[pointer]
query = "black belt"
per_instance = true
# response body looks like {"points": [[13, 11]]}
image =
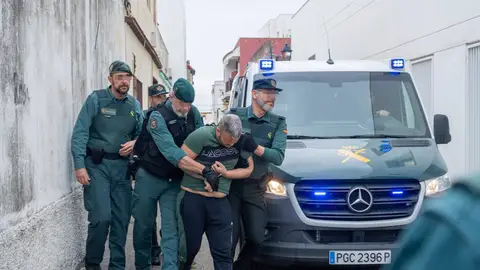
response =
{"points": [[105, 155]]}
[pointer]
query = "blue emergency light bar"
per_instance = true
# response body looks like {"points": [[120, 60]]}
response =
{"points": [[397, 63], [266, 64]]}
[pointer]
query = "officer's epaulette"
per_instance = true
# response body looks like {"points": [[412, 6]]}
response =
{"points": [[276, 118], [101, 93]]}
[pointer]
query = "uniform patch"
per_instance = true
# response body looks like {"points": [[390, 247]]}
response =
{"points": [[132, 114], [153, 123], [108, 111], [285, 131], [269, 135]]}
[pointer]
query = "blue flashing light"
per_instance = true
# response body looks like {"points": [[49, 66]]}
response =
{"points": [[320, 193], [397, 63], [394, 73], [266, 64], [397, 192], [268, 74], [385, 147]]}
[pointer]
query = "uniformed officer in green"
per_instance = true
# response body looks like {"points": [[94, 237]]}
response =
{"points": [[267, 142], [446, 234], [157, 94], [201, 211], [103, 137], [157, 180]]}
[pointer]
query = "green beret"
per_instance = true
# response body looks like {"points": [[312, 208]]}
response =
{"points": [[156, 89], [119, 66], [184, 91]]}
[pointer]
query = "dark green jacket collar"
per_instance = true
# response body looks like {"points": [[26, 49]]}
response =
{"points": [[250, 115]]}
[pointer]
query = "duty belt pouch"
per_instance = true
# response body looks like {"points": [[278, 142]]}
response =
{"points": [[97, 156]]}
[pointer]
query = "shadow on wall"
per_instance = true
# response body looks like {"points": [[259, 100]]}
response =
{"points": [[52, 55]]}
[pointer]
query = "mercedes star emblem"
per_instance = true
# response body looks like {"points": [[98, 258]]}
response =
{"points": [[359, 199]]}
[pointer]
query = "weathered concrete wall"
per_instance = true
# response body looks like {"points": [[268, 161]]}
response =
{"points": [[52, 54]]}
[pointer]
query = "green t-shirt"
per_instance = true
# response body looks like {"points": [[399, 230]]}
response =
{"points": [[203, 142]]}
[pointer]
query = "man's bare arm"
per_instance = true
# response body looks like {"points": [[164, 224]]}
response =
{"points": [[189, 165]]}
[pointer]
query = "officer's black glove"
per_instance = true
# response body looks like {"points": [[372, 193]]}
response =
{"points": [[248, 143], [212, 177]]}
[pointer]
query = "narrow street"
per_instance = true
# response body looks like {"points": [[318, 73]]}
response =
{"points": [[203, 259]]}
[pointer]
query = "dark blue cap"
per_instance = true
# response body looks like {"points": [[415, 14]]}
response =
{"points": [[267, 84]]}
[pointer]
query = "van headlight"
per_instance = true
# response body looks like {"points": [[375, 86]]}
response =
{"points": [[437, 185], [276, 187]]}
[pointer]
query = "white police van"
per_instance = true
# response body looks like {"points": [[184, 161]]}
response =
{"points": [[361, 159]]}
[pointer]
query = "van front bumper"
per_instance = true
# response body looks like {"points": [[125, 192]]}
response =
{"points": [[289, 241]]}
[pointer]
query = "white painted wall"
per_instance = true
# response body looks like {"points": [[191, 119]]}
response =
{"points": [[51, 59], [172, 24], [369, 29], [277, 27], [143, 66]]}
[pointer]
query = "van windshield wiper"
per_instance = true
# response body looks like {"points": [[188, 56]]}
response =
{"points": [[300, 137], [373, 136], [365, 136]]}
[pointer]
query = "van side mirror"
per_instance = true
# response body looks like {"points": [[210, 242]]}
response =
{"points": [[441, 129]]}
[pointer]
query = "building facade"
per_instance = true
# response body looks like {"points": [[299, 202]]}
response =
{"points": [[279, 27], [245, 51], [172, 23], [218, 97], [236, 60], [440, 40], [143, 42]]}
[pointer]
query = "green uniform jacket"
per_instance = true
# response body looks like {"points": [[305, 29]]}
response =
{"points": [[163, 138], [105, 123], [269, 131], [446, 234]]}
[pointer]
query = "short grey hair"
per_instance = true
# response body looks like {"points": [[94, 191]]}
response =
{"points": [[232, 124]]}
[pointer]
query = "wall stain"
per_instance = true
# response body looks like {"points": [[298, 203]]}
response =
{"points": [[20, 94], [17, 190]]}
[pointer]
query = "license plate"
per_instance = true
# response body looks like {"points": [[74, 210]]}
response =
{"points": [[360, 257]]}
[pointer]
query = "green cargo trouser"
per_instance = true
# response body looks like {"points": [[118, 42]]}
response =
{"points": [[108, 201], [148, 191]]}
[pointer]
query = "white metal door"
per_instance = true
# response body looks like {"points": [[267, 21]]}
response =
{"points": [[473, 110], [422, 73]]}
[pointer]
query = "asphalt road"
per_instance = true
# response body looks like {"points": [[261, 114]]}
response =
{"points": [[203, 259]]}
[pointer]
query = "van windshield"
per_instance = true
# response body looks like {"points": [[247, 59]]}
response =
{"points": [[349, 105]]}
